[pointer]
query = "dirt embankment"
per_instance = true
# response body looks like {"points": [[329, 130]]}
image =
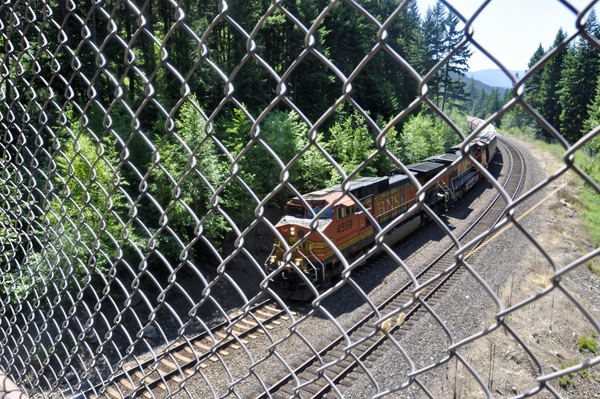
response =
{"points": [[552, 327]]}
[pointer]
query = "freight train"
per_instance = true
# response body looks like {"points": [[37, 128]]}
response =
{"points": [[346, 225]]}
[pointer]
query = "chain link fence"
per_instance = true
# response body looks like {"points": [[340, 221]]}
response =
{"points": [[147, 155]]}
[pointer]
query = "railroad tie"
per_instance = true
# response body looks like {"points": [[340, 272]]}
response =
{"points": [[202, 346], [125, 382], [249, 322], [113, 392], [162, 386], [202, 365], [182, 358], [223, 334], [272, 309], [149, 379], [168, 363], [264, 313]]}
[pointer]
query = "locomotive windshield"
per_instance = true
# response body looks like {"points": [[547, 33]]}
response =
{"points": [[295, 211], [327, 215]]}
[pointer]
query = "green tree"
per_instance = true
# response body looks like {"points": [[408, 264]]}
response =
{"points": [[550, 106], [87, 214], [533, 84], [424, 136], [188, 172], [491, 103], [593, 120], [456, 67], [479, 104], [433, 29], [350, 144], [581, 65]]}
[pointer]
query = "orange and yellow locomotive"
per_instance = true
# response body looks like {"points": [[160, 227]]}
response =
{"points": [[314, 262]]}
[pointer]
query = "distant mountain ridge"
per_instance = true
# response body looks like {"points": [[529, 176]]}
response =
{"points": [[480, 85], [493, 77]]}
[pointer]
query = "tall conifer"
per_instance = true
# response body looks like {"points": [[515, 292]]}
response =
{"points": [[549, 85], [533, 84], [580, 67]]}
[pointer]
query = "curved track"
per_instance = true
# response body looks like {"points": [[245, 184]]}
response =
{"points": [[160, 376], [315, 382]]}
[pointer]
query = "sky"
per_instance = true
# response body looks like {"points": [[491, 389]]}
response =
{"points": [[511, 30]]}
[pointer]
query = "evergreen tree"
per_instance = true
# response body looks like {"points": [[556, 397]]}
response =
{"points": [[491, 103], [457, 66], [479, 104], [581, 65], [549, 86], [434, 35], [533, 84], [186, 146], [471, 94], [593, 120]]}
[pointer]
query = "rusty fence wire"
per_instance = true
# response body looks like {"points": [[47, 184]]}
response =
{"points": [[119, 184]]}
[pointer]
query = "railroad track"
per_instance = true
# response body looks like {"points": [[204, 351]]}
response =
{"points": [[316, 381], [162, 375]]}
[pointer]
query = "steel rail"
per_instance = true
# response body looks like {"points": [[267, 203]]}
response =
{"points": [[181, 346], [278, 385], [430, 292]]}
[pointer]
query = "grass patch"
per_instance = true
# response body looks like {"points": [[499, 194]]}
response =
{"points": [[565, 380], [587, 343], [593, 268]]}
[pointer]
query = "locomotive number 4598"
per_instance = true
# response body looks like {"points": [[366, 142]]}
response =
{"points": [[344, 226]]}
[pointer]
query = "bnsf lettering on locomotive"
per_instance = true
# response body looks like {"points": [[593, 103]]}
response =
{"points": [[390, 203], [380, 207]]}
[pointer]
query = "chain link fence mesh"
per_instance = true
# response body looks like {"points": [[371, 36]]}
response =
{"points": [[120, 180]]}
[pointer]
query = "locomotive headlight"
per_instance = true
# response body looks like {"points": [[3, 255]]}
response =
{"points": [[273, 259], [299, 262], [292, 230]]}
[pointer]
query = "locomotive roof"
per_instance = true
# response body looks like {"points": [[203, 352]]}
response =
{"points": [[426, 169], [454, 150], [399, 179], [354, 184], [445, 159]]}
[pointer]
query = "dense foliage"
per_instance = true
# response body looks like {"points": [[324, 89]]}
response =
{"points": [[561, 91], [144, 144]]}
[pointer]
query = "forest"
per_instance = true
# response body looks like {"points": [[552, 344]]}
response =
{"points": [[565, 91], [147, 136]]}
